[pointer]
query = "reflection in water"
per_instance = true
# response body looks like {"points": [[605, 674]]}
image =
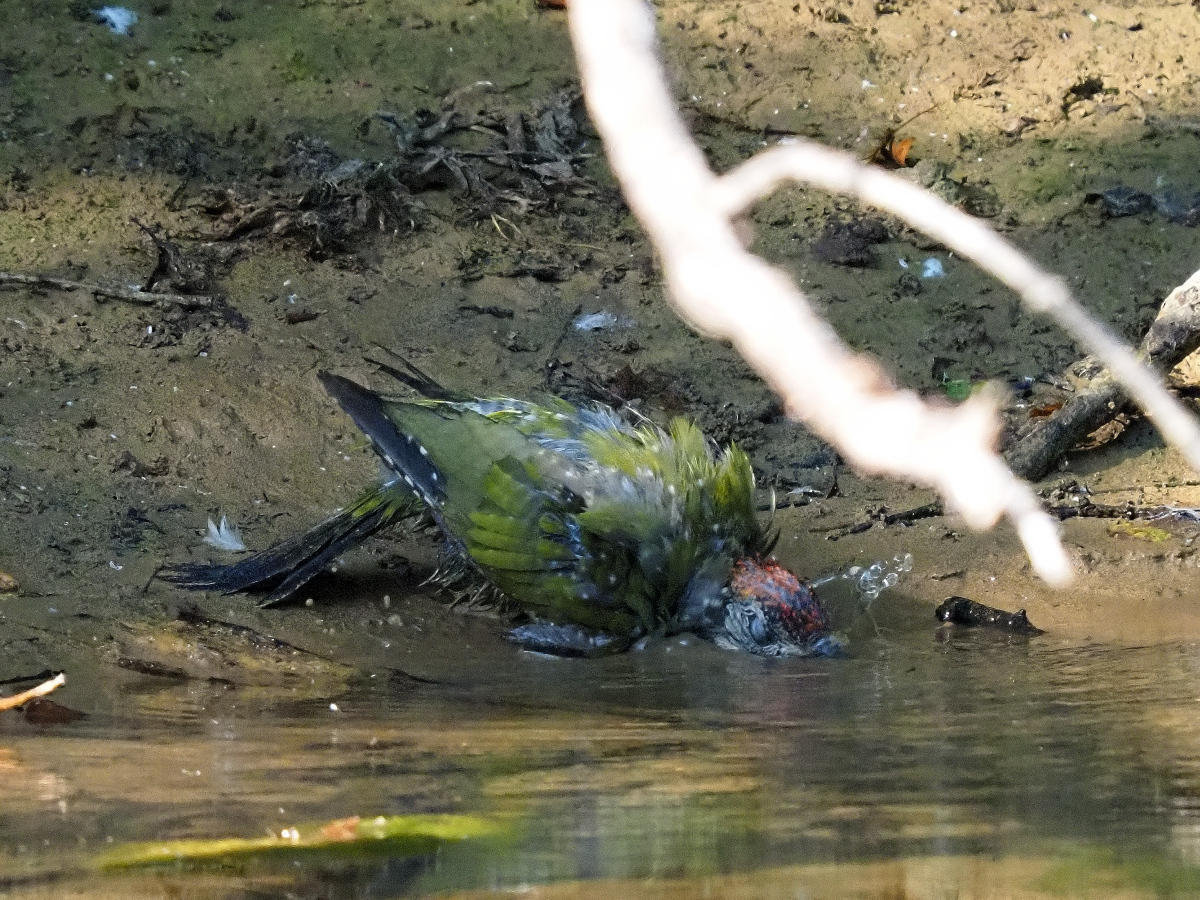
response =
{"points": [[679, 762]]}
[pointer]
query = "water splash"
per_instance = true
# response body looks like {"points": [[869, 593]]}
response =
{"points": [[870, 581]]}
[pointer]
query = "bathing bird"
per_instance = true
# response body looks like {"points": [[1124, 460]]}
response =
{"points": [[599, 528]]}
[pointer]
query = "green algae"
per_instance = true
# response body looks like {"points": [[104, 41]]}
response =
{"points": [[354, 837]]}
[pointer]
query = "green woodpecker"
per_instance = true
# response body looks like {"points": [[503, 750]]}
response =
{"points": [[602, 531]]}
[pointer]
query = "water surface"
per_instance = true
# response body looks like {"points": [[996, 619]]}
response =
{"points": [[959, 761]]}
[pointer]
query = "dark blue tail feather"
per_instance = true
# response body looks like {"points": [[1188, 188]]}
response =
{"points": [[400, 452], [286, 567]]}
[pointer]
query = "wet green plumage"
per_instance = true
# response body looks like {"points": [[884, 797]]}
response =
{"points": [[577, 516], [606, 536]]}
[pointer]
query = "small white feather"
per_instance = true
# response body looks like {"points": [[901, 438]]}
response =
{"points": [[119, 19], [224, 536]]}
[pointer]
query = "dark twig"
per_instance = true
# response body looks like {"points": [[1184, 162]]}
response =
{"points": [[908, 516], [1088, 510], [102, 293], [37, 676], [905, 517], [499, 312]]}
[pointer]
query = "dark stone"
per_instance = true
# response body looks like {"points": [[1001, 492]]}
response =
{"points": [[909, 285], [849, 243], [968, 613], [1121, 201]]}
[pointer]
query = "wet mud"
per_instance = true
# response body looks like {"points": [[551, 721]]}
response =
{"points": [[210, 209]]}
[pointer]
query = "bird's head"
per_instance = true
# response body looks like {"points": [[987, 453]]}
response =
{"points": [[771, 613]]}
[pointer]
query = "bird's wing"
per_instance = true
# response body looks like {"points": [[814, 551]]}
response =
{"points": [[495, 482], [524, 536]]}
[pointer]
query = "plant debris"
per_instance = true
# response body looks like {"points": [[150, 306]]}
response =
{"points": [[496, 163], [1120, 201], [892, 151], [106, 292], [1140, 531], [1173, 335], [355, 836]]}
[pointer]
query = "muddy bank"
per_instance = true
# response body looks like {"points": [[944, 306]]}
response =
{"points": [[318, 230]]}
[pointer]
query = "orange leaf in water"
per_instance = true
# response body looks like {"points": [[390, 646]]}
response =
{"points": [[341, 829]]}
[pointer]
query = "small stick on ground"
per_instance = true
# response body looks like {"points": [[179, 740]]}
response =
{"points": [[908, 516], [33, 693], [904, 517], [1174, 334], [102, 293], [1089, 510]]}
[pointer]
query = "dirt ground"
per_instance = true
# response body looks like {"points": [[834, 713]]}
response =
{"points": [[247, 139]]}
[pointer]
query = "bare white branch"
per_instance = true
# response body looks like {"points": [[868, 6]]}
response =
{"points": [[725, 291], [970, 238], [33, 693]]}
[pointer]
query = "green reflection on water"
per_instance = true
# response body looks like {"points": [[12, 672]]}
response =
{"points": [[682, 765]]}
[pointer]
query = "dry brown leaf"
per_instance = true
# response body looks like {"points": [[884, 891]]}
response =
{"points": [[341, 829], [1104, 434], [898, 151], [1041, 412]]}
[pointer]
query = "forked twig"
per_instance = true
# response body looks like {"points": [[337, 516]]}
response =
{"points": [[723, 290]]}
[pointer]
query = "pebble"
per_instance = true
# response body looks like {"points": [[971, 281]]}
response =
{"points": [[1121, 201], [1182, 209]]}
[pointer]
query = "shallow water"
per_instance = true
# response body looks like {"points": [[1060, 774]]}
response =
{"points": [[955, 761], [928, 763]]}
